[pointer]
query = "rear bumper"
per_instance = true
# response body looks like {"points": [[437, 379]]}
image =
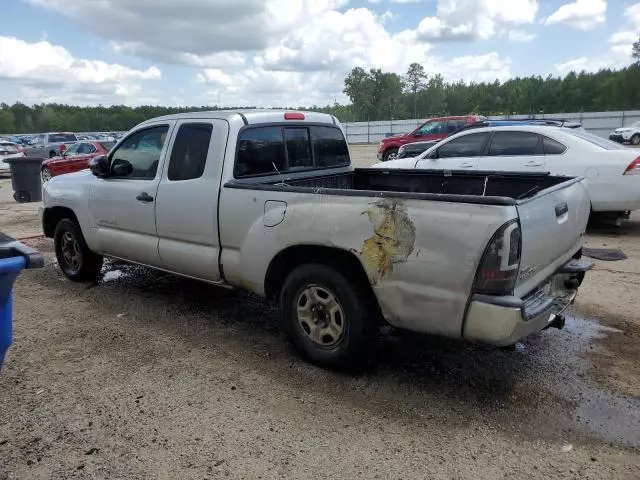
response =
{"points": [[503, 321]]}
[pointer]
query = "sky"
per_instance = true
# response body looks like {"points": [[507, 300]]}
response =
{"points": [[290, 52]]}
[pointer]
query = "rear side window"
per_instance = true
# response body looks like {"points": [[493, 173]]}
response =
{"points": [[471, 145], [515, 143], [189, 154], [454, 125], [272, 150], [62, 137], [551, 147]]}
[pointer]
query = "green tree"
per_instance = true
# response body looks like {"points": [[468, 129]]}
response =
{"points": [[635, 52], [415, 80]]}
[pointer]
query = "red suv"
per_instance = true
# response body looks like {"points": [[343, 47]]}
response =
{"points": [[432, 129]]}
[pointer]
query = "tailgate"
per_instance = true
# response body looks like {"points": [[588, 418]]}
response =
{"points": [[553, 224]]}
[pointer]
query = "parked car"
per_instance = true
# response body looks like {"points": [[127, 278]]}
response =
{"points": [[432, 129], [268, 201], [74, 159], [8, 150], [50, 144], [612, 171], [629, 134], [414, 149]]}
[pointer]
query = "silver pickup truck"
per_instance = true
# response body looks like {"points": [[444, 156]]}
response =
{"points": [[49, 145], [268, 201]]}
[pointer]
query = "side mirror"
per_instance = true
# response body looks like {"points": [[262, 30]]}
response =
{"points": [[99, 166], [121, 168], [433, 155]]}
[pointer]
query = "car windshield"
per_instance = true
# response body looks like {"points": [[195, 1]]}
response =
{"points": [[596, 140], [6, 147], [62, 137]]}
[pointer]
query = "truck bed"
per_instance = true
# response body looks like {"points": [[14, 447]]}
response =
{"points": [[501, 188]]}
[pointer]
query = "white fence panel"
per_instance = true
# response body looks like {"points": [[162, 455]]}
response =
{"points": [[599, 123]]}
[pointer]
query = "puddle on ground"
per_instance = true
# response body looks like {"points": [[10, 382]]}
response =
{"points": [[612, 416]]}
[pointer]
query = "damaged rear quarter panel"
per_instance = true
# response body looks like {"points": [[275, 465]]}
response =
{"points": [[420, 256]]}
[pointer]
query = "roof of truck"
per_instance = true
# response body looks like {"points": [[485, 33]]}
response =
{"points": [[251, 116]]}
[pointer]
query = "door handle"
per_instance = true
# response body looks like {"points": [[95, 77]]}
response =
{"points": [[144, 197], [533, 163], [466, 165]]}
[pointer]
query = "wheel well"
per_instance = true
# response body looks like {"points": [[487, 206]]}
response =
{"points": [[290, 258], [52, 217]]}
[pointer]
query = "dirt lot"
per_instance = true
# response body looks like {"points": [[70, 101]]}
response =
{"points": [[146, 375]]}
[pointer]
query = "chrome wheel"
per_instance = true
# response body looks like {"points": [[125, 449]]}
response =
{"points": [[635, 140], [71, 250], [392, 156], [45, 174], [320, 315]]}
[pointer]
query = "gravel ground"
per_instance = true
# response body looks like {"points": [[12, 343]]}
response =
{"points": [[147, 375]]}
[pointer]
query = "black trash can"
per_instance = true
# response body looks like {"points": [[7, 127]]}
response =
{"points": [[25, 179]]}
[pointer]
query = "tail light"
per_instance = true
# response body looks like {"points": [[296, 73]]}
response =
{"points": [[498, 271], [63, 147], [633, 168]]}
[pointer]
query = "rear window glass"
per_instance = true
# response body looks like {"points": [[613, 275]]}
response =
{"points": [[260, 151], [189, 154], [298, 148], [273, 150], [62, 137], [595, 140], [108, 145], [329, 147], [514, 143]]}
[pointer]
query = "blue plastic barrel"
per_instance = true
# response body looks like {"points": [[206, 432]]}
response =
{"points": [[10, 268], [14, 257]]}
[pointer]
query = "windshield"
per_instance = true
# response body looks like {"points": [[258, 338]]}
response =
{"points": [[596, 140], [62, 137]]}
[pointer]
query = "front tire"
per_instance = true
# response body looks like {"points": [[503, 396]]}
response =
{"points": [[324, 315], [635, 139], [390, 154], [75, 258]]}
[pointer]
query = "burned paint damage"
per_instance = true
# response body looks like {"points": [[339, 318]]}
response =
{"points": [[393, 239]]}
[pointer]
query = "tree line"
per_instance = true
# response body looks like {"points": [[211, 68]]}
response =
{"points": [[379, 95]]}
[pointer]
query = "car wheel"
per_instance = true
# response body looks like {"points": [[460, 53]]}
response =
{"points": [[635, 139], [324, 315], [75, 258], [45, 174], [390, 154]]}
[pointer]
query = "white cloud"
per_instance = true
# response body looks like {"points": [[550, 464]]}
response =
{"points": [[581, 14], [43, 66], [474, 19], [619, 54], [190, 32], [520, 36]]}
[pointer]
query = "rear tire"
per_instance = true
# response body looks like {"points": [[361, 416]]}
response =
{"points": [[75, 258], [635, 139], [390, 154], [324, 315]]}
